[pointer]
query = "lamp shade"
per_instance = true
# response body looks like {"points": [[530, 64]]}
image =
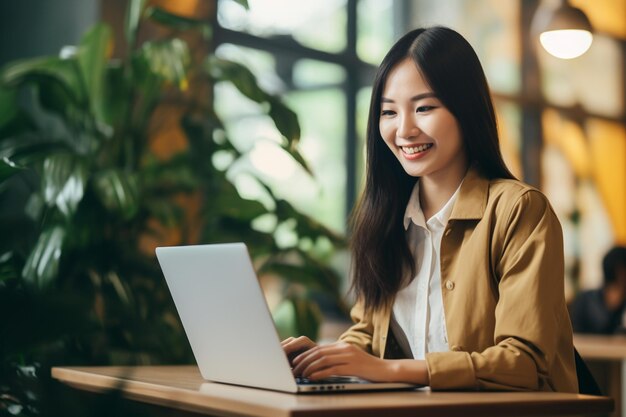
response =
{"points": [[564, 31]]}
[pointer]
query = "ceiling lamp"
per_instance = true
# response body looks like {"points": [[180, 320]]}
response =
{"points": [[564, 31]]}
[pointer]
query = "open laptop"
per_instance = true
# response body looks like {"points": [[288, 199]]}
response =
{"points": [[228, 323]]}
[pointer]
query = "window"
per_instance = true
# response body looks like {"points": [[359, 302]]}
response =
{"points": [[320, 56]]}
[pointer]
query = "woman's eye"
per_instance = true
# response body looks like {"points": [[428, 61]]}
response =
{"points": [[387, 113], [423, 109]]}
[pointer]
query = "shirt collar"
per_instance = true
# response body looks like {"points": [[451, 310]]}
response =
{"points": [[413, 210], [415, 214]]}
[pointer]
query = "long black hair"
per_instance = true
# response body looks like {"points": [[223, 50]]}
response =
{"points": [[447, 62]]}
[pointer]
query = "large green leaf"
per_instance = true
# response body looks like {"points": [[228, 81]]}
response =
{"points": [[118, 191], [8, 105], [306, 226], [8, 268], [63, 181], [240, 76], [116, 103], [92, 59], [55, 98], [63, 71], [30, 149], [20, 123], [42, 264], [7, 168], [233, 205], [133, 16], [177, 22], [284, 118], [286, 121], [297, 156]]}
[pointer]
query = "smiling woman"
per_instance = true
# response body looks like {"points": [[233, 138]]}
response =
{"points": [[418, 129], [457, 267]]}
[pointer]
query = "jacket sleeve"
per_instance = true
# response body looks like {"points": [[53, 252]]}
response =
{"points": [[361, 332], [528, 264]]}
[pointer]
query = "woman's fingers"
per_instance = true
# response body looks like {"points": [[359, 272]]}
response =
{"points": [[294, 346], [329, 364], [340, 359], [287, 341], [321, 356]]}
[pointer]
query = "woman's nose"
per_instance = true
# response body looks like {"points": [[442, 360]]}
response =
{"points": [[407, 127]]}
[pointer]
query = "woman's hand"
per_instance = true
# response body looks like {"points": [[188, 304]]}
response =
{"points": [[341, 359], [293, 346]]}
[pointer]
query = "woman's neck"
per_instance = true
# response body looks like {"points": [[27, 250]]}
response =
{"points": [[436, 191]]}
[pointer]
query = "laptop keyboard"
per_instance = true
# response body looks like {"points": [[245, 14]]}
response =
{"points": [[331, 380]]}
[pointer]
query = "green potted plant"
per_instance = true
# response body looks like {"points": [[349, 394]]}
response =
{"points": [[85, 191]]}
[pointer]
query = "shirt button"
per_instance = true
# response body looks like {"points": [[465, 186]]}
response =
{"points": [[449, 285]]}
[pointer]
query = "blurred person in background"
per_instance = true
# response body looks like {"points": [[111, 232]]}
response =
{"points": [[600, 310]]}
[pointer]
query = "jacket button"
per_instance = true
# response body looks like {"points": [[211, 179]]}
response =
{"points": [[456, 348], [449, 285]]}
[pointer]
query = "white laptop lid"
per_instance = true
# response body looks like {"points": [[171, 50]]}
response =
{"points": [[233, 341], [228, 324]]}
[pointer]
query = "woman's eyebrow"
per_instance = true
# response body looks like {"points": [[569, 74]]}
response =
{"points": [[414, 98]]}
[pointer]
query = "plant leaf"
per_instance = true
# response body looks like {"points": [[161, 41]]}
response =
{"points": [[118, 191], [42, 264], [241, 77], [177, 22], [306, 226], [7, 168], [285, 119], [233, 205], [8, 105], [8, 268], [286, 122], [116, 101], [133, 16], [63, 182], [92, 60], [244, 3], [297, 156], [62, 71]]}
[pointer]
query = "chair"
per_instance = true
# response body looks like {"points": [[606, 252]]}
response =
{"points": [[586, 382]]}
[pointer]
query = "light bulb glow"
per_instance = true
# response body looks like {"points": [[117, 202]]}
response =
{"points": [[566, 44]]}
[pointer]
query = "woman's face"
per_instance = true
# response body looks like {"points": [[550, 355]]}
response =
{"points": [[419, 130]]}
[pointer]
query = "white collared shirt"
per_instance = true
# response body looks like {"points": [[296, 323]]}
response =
{"points": [[418, 307]]}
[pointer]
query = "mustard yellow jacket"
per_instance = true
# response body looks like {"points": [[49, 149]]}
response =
{"points": [[503, 296]]}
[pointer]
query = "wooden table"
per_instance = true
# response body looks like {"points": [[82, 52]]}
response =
{"points": [[182, 388], [611, 350]]}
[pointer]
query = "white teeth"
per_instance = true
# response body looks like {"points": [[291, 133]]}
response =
{"points": [[414, 149]]}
